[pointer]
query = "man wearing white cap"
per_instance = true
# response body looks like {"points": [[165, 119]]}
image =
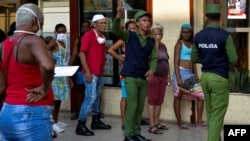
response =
{"points": [[92, 55]]}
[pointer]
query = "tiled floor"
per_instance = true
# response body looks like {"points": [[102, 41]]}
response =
{"points": [[116, 134]]}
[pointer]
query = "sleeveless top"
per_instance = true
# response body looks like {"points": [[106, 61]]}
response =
{"points": [[60, 56], [136, 62], [60, 85], [20, 77], [185, 52], [212, 50]]}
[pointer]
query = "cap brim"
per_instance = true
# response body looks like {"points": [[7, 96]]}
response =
{"points": [[146, 14]]}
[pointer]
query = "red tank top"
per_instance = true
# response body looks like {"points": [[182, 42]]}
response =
{"points": [[20, 77]]}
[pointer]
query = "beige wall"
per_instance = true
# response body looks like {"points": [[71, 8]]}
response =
{"points": [[171, 14]]}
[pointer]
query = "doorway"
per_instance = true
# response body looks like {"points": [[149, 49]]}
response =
{"points": [[7, 13]]}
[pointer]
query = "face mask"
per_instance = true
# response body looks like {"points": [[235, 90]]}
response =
{"points": [[39, 32], [101, 40], [61, 37]]}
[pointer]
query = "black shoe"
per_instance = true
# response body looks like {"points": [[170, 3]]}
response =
{"points": [[141, 138], [98, 124], [123, 127], [144, 122], [130, 139], [81, 129]]}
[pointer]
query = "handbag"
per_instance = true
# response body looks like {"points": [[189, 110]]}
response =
{"points": [[188, 84]]}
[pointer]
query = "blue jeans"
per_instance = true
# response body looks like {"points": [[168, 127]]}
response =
{"points": [[25, 123], [92, 97], [79, 78]]}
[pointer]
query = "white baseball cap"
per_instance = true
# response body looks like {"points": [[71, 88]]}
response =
{"points": [[97, 17]]}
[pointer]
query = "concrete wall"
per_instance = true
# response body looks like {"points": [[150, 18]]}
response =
{"points": [[238, 110], [111, 104], [55, 13]]}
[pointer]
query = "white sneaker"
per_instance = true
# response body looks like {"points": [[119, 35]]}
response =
{"points": [[62, 124], [57, 128]]}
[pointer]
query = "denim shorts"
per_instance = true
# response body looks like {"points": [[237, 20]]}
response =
{"points": [[185, 74], [25, 123], [123, 89]]}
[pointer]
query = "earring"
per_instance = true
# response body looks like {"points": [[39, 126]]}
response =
{"points": [[34, 27]]}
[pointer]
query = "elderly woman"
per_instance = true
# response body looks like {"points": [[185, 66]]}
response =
{"points": [[28, 70], [157, 84]]}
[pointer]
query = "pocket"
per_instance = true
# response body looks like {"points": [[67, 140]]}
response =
{"points": [[22, 120]]}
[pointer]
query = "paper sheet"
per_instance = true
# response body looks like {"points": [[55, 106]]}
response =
{"points": [[65, 71]]}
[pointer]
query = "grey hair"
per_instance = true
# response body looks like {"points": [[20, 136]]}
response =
{"points": [[157, 26], [26, 13]]}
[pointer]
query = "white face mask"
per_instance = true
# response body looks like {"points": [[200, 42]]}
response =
{"points": [[61, 37], [101, 40], [39, 32]]}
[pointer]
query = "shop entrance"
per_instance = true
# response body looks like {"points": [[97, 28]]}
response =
{"points": [[7, 13]]}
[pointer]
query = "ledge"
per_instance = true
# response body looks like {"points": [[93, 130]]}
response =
{"points": [[238, 109], [240, 94]]}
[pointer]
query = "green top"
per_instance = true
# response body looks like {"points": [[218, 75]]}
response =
{"points": [[230, 49], [124, 35]]}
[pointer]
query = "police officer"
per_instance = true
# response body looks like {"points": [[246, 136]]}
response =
{"points": [[214, 49]]}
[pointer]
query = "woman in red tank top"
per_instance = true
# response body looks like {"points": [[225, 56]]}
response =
{"points": [[28, 71]]}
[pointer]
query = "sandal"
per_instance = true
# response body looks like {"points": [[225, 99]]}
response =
{"points": [[162, 127], [155, 130], [202, 124], [183, 127], [74, 117]]}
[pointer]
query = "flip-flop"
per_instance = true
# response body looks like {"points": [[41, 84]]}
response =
{"points": [[154, 130], [202, 124], [183, 127], [162, 127], [75, 116]]}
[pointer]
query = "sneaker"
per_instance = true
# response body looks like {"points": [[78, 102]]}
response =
{"points": [[62, 124], [57, 128]]}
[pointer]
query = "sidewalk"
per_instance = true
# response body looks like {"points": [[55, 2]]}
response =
{"points": [[116, 134]]}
